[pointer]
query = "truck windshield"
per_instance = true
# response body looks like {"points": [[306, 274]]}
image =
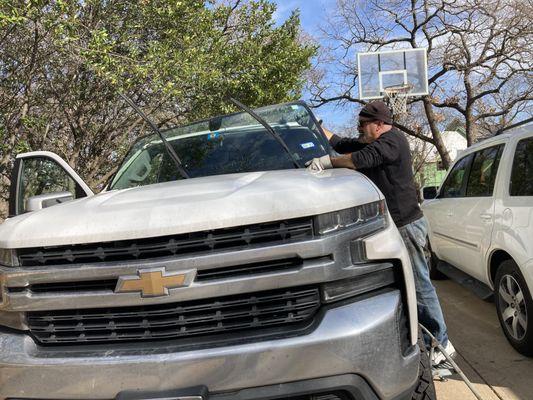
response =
{"points": [[224, 145]]}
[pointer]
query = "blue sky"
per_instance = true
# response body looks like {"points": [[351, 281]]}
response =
{"points": [[311, 11], [312, 15]]}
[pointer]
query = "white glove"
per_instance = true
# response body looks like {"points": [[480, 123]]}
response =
{"points": [[319, 164]]}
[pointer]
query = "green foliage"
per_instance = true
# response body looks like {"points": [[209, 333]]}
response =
{"points": [[189, 52]]}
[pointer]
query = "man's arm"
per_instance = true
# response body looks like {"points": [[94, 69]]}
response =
{"points": [[386, 149], [369, 157], [343, 145], [344, 161]]}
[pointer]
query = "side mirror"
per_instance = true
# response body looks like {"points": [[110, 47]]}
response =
{"points": [[429, 192], [41, 201], [41, 173]]}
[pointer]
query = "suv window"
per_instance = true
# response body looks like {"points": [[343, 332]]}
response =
{"points": [[454, 184], [521, 182], [483, 172]]}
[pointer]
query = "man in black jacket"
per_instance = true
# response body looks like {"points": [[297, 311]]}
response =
{"points": [[382, 153]]}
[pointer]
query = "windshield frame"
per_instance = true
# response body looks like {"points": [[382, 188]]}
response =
{"points": [[322, 138]]}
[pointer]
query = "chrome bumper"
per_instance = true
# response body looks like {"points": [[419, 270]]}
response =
{"points": [[360, 338]]}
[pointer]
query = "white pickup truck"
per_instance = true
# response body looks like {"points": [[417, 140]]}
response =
{"points": [[223, 273], [481, 223]]}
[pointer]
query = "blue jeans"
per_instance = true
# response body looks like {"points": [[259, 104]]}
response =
{"points": [[429, 311]]}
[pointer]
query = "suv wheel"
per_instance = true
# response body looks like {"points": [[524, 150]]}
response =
{"points": [[425, 389], [515, 307], [432, 261]]}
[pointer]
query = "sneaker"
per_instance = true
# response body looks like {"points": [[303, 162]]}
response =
{"points": [[438, 356]]}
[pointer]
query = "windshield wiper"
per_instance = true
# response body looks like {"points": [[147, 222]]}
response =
{"points": [[168, 146], [268, 128]]}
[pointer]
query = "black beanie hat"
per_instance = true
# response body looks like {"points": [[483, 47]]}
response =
{"points": [[376, 111]]}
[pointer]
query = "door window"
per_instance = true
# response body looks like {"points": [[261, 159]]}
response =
{"points": [[42, 175], [522, 173], [454, 184], [483, 172]]}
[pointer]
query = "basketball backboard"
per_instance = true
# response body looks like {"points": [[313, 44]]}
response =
{"points": [[384, 69]]}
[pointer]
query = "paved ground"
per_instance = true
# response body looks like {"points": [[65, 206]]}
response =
{"points": [[497, 371]]}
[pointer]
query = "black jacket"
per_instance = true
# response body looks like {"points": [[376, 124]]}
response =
{"points": [[387, 162]]}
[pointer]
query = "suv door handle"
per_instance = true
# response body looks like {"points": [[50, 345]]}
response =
{"points": [[486, 217]]}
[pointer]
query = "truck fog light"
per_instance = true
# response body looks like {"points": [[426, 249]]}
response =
{"points": [[8, 258], [342, 289]]}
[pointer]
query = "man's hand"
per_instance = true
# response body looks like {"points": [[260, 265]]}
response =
{"points": [[319, 164]]}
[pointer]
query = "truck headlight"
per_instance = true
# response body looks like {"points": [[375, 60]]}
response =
{"points": [[8, 258], [371, 214]]}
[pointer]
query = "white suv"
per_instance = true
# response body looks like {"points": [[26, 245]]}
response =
{"points": [[481, 222]]}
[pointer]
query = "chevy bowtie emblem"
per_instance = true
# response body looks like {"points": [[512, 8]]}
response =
{"points": [[154, 282]]}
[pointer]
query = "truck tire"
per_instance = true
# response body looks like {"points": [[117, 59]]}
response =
{"points": [[425, 389], [514, 307], [432, 261]]}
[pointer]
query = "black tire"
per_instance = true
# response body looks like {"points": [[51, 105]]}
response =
{"points": [[432, 261], [521, 335], [425, 389]]}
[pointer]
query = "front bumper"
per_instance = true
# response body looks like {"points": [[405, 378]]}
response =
{"points": [[339, 387], [359, 338]]}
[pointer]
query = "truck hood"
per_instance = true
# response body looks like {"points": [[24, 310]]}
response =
{"points": [[189, 205]]}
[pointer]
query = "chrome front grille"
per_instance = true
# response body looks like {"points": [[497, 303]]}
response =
{"points": [[203, 275], [254, 311], [195, 242], [69, 287], [255, 269]]}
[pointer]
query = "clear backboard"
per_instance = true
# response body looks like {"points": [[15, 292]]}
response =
{"points": [[384, 70]]}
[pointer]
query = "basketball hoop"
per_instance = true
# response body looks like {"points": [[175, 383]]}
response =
{"points": [[396, 97], [393, 76]]}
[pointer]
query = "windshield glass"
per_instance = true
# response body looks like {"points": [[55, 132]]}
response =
{"points": [[224, 145]]}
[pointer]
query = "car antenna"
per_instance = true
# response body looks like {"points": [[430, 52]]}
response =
{"points": [[268, 128], [168, 147]]}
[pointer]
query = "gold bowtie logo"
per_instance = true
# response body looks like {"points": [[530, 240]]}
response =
{"points": [[154, 282]]}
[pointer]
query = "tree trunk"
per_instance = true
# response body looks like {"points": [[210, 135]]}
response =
{"points": [[437, 137], [469, 118]]}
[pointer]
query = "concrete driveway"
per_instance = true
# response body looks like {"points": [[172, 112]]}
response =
{"points": [[497, 371]]}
